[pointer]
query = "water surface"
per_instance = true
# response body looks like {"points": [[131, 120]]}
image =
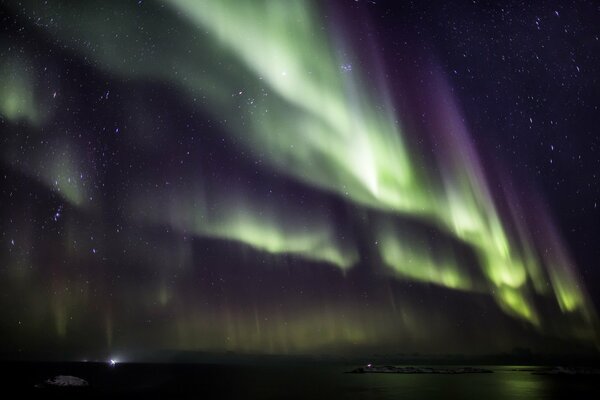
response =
{"points": [[293, 382]]}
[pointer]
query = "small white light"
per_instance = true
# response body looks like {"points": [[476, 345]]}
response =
{"points": [[113, 362], [369, 365]]}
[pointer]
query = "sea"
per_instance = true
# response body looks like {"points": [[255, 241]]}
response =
{"points": [[318, 381]]}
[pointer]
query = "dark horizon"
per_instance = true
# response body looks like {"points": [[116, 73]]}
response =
{"points": [[515, 357]]}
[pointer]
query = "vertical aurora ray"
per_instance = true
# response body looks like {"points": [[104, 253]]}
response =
{"points": [[17, 99], [469, 211], [568, 289]]}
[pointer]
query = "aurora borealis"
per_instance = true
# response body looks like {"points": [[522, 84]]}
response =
{"points": [[281, 177]]}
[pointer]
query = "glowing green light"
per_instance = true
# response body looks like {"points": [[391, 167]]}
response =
{"points": [[264, 225], [270, 72], [413, 261], [17, 101]]}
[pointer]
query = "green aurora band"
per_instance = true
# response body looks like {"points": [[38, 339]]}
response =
{"points": [[237, 215], [272, 69]]}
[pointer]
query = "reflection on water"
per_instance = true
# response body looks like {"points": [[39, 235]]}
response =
{"points": [[519, 385], [504, 383]]}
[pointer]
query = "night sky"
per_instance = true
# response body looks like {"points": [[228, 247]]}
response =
{"points": [[299, 178]]}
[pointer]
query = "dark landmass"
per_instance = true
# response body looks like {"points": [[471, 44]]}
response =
{"points": [[373, 369]]}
